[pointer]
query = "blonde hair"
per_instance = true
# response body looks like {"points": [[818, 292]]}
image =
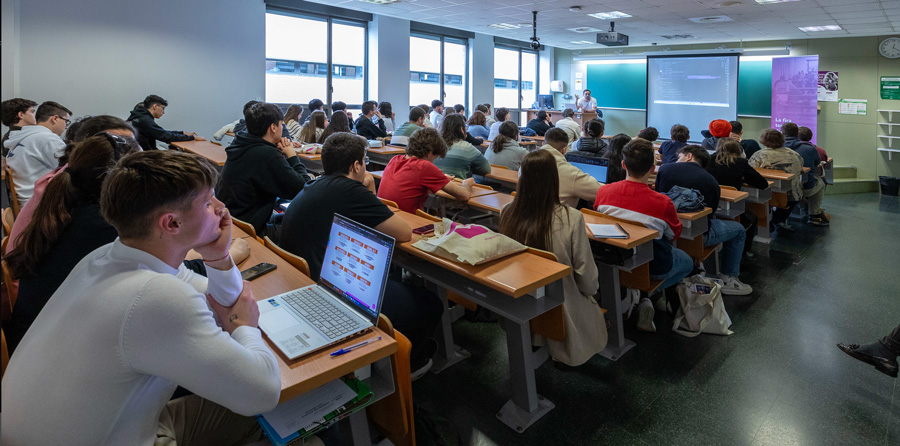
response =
{"points": [[728, 150]]}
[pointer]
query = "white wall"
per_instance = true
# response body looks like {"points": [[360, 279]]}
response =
{"points": [[389, 63], [103, 56]]}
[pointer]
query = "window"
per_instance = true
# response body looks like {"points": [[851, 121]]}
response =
{"points": [[515, 78], [437, 69], [299, 68]]}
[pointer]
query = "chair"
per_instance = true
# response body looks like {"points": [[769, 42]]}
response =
{"points": [[246, 227], [389, 203], [552, 324], [5, 352], [638, 278], [295, 260], [728, 187], [499, 166], [8, 220], [13, 197], [12, 292], [394, 413], [426, 215]]}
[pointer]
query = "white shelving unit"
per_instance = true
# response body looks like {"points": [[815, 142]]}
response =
{"points": [[890, 131]]}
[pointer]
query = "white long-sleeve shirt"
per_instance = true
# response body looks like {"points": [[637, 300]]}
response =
{"points": [[105, 354]]}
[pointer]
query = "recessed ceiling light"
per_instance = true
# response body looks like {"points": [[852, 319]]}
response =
{"points": [[574, 8], [712, 19], [679, 36], [504, 26], [767, 2], [383, 2], [810, 29], [610, 15], [585, 29], [729, 3], [581, 42]]}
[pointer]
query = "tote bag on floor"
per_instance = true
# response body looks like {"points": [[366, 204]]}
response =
{"points": [[702, 310]]}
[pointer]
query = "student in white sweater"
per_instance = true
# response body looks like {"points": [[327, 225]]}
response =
{"points": [[34, 150], [574, 184], [130, 324]]}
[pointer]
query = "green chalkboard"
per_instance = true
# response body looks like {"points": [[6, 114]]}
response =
{"points": [[618, 85], [625, 86]]}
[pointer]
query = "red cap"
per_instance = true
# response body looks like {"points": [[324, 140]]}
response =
{"points": [[720, 128]]}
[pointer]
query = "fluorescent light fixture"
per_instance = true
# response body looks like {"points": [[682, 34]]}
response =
{"points": [[581, 42], [767, 2], [504, 26], [810, 29], [382, 2], [585, 29], [610, 15], [712, 19], [678, 36]]}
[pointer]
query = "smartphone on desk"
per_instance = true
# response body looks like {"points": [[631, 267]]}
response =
{"points": [[424, 229], [257, 270]]}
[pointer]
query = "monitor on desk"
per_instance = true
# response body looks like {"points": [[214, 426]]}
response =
{"points": [[595, 167], [545, 101]]}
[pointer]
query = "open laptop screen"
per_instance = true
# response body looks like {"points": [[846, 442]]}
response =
{"points": [[595, 167], [356, 265]]}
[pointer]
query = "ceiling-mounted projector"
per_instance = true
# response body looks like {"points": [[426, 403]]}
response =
{"points": [[612, 38]]}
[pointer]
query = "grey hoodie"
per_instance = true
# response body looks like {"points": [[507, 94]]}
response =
{"points": [[33, 153]]}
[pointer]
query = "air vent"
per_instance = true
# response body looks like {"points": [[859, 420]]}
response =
{"points": [[585, 29], [504, 26], [679, 36], [712, 19]]}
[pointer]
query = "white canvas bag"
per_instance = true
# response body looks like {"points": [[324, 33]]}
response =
{"points": [[702, 310]]}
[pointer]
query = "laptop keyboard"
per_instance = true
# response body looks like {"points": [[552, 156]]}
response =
{"points": [[321, 312]]}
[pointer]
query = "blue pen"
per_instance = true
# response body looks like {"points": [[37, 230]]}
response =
{"points": [[354, 347]]}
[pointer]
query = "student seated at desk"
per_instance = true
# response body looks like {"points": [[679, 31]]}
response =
{"points": [[690, 172], [775, 155], [387, 114], [536, 218], [541, 123], [260, 166], [813, 184], [501, 114], [34, 150], [291, 116], [505, 149], [408, 180], [338, 123], [436, 114], [678, 135], [341, 106], [103, 358], [649, 133], [16, 113], [750, 146], [347, 189], [143, 117], [312, 131], [615, 171], [592, 144], [488, 116], [241, 124], [404, 131], [477, 125], [365, 127], [573, 183], [729, 169], [462, 159], [718, 128], [633, 200], [427, 109], [567, 123]]}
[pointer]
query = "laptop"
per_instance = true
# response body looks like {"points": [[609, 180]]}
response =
{"points": [[595, 167], [346, 300], [571, 105]]}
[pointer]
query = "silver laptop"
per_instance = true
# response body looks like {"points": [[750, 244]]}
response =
{"points": [[345, 301], [571, 105]]}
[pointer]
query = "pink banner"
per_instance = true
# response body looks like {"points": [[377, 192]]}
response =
{"points": [[795, 91]]}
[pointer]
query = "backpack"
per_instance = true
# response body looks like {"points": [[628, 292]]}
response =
{"points": [[685, 199]]}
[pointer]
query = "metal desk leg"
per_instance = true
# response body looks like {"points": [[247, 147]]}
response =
{"points": [[448, 353], [611, 299], [526, 406], [359, 428]]}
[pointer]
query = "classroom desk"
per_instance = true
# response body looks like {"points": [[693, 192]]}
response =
{"points": [[781, 180], [640, 241], [758, 204], [828, 167], [211, 151], [309, 372], [556, 115], [694, 223], [313, 162], [230, 133], [731, 203], [383, 155], [508, 178], [517, 288], [492, 203], [534, 138]]}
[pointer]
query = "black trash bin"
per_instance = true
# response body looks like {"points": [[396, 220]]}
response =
{"points": [[889, 185]]}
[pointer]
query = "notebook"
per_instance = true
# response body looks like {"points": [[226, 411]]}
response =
{"points": [[346, 300], [595, 167], [607, 231]]}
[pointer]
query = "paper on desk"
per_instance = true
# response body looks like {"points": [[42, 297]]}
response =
{"points": [[299, 413], [605, 231]]}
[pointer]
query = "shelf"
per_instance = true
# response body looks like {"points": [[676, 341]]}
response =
{"points": [[890, 152], [889, 111], [891, 137], [889, 123]]}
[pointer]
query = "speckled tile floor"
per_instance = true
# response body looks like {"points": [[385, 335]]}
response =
{"points": [[778, 380]]}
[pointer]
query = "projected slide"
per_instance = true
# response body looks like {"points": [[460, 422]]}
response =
{"points": [[691, 90]]}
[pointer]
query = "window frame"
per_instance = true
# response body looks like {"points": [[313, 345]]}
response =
{"points": [[329, 60], [537, 70], [442, 76]]}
